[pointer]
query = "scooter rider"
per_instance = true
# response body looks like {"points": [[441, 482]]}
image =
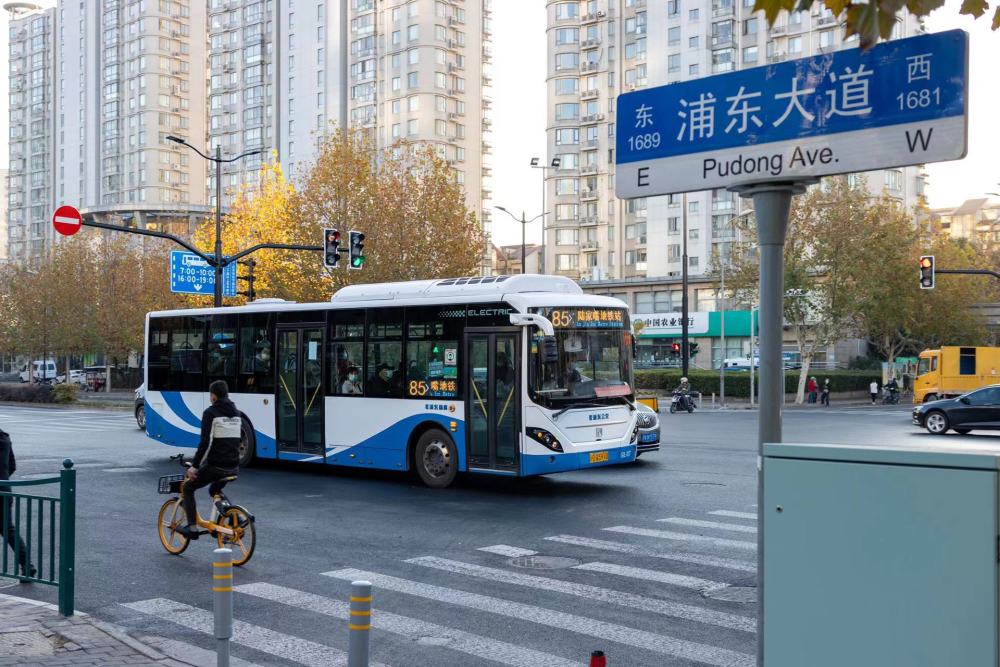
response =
{"points": [[684, 391]]}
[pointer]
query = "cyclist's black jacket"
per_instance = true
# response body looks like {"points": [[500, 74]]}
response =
{"points": [[220, 437]]}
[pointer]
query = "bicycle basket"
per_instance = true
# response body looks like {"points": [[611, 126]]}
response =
{"points": [[171, 483]]}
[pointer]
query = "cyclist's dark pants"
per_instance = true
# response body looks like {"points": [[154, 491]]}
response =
{"points": [[14, 540], [206, 476]]}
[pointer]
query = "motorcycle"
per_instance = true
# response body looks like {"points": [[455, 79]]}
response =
{"points": [[681, 401], [890, 396]]}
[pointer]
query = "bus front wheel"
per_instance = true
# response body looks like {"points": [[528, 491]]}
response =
{"points": [[435, 459], [248, 444]]}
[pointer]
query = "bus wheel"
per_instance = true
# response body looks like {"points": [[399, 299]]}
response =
{"points": [[435, 459], [248, 444]]}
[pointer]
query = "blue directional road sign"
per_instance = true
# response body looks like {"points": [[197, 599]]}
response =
{"points": [[190, 274], [903, 102]]}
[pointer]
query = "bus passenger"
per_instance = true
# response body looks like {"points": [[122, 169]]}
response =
{"points": [[352, 385], [380, 385]]}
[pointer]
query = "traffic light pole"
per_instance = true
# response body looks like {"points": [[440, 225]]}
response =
{"points": [[970, 272], [685, 355]]}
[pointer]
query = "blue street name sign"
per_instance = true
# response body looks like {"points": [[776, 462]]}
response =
{"points": [[190, 274], [903, 102]]}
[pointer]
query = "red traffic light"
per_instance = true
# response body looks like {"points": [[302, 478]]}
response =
{"points": [[335, 236], [925, 262], [676, 347]]}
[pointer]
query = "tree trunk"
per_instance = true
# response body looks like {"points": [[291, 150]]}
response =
{"points": [[803, 378]]}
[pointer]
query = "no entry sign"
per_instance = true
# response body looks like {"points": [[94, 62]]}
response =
{"points": [[67, 220]]}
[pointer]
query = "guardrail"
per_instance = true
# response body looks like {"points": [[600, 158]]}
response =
{"points": [[49, 526]]}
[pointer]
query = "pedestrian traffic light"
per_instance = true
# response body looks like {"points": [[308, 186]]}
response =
{"points": [[250, 293], [331, 248], [675, 350], [692, 349], [927, 272], [357, 246]]}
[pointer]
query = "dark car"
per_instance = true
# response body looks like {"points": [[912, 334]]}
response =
{"points": [[649, 430], [977, 410]]}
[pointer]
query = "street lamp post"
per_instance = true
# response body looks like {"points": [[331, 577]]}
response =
{"points": [[535, 164], [524, 224], [218, 160]]}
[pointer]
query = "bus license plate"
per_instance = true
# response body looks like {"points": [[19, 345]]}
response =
{"points": [[599, 457]]}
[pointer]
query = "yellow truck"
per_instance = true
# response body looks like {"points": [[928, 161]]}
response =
{"points": [[953, 371]]}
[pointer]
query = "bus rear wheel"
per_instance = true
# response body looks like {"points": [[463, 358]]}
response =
{"points": [[435, 459]]}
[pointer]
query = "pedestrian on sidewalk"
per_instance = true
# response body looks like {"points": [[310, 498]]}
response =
{"points": [[811, 388], [825, 396], [873, 390], [7, 467]]}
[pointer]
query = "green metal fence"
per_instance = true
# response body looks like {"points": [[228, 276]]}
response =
{"points": [[46, 529]]}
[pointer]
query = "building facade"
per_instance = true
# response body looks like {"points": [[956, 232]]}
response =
{"points": [[3, 216], [974, 220], [598, 49]]}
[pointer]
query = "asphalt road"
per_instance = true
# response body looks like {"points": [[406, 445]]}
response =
{"points": [[644, 552]]}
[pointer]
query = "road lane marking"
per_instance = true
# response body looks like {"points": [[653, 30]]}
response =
{"points": [[684, 581], [271, 642], [735, 515], [684, 537], [413, 629], [507, 550], [662, 644], [698, 523], [636, 550], [604, 595]]}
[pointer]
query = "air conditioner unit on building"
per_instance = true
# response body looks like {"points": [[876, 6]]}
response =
{"points": [[601, 14]]}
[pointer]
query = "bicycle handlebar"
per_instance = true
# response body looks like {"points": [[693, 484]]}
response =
{"points": [[180, 459]]}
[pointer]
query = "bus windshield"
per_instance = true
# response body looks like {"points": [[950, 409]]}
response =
{"points": [[594, 359]]}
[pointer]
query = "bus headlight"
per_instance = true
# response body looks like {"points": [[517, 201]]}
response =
{"points": [[544, 437], [635, 433]]}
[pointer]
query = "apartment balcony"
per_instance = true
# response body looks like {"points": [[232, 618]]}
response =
{"points": [[588, 169], [722, 41], [589, 221], [589, 67], [487, 148], [593, 17], [589, 195], [592, 119], [725, 10], [776, 58], [590, 43], [590, 143], [776, 30], [826, 20], [589, 246], [590, 94]]}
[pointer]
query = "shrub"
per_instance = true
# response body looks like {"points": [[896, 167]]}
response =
{"points": [[738, 382], [65, 393], [27, 393]]}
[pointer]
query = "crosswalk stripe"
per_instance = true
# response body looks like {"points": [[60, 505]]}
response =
{"points": [[607, 595], [413, 629], [670, 535], [684, 581], [261, 639], [735, 515], [662, 644], [698, 523], [623, 548], [507, 550]]}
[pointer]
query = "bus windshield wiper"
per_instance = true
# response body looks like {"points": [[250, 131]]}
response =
{"points": [[574, 406]]}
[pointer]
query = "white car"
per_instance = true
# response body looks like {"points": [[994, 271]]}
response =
{"points": [[40, 370], [76, 376]]}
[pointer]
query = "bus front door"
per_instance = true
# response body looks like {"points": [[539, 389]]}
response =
{"points": [[494, 408], [299, 403]]}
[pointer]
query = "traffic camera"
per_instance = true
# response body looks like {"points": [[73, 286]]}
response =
{"points": [[927, 272], [331, 248], [356, 248]]}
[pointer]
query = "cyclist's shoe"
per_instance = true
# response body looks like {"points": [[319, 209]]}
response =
{"points": [[28, 571], [190, 532]]}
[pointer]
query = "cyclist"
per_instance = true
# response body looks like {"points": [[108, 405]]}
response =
{"points": [[218, 452]]}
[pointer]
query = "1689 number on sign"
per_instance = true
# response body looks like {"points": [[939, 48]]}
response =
{"points": [[641, 142]]}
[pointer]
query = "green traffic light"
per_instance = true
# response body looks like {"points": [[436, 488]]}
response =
{"points": [[358, 261]]}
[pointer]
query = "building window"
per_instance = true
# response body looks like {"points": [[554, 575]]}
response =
{"points": [[567, 262], [567, 10], [894, 179], [750, 54], [567, 61], [567, 236]]}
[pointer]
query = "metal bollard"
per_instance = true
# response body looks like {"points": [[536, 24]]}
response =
{"points": [[359, 624], [222, 589]]}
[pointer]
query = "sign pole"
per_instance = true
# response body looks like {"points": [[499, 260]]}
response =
{"points": [[771, 204], [685, 361], [218, 226]]}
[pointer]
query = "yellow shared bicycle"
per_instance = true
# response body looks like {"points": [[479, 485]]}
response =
{"points": [[231, 525]]}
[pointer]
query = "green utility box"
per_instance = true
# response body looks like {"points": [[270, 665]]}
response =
{"points": [[881, 556]]}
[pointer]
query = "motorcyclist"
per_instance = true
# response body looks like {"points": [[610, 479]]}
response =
{"points": [[892, 389], [684, 392]]}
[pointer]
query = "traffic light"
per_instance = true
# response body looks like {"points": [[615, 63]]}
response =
{"points": [[249, 293], [692, 349], [927, 272], [675, 350], [357, 246], [331, 248]]}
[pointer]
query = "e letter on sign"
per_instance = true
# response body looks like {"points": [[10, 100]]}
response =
{"points": [[903, 102]]}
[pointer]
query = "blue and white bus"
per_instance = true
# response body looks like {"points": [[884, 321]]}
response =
{"points": [[506, 375]]}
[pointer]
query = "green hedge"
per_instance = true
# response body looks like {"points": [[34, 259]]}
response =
{"points": [[27, 393], [664, 380]]}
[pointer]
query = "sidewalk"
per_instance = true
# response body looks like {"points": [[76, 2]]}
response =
{"points": [[33, 634]]}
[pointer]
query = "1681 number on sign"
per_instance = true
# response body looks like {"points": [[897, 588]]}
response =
{"points": [[919, 99]]}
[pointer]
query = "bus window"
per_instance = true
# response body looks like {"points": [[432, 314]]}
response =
{"points": [[384, 366], [431, 354], [158, 356], [346, 358], [256, 367], [187, 347], [220, 350]]}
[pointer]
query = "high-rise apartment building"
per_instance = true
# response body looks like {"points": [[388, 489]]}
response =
{"points": [[3, 216], [598, 49], [281, 72]]}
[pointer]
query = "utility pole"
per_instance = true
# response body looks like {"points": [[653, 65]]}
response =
{"points": [[524, 224], [218, 225], [685, 357]]}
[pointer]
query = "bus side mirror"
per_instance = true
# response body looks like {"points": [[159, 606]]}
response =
{"points": [[550, 349], [635, 346]]}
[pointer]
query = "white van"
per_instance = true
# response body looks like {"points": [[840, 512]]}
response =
{"points": [[41, 370]]}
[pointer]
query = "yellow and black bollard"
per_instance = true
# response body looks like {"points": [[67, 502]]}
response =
{"points": [[222, 591], [359, 624]]}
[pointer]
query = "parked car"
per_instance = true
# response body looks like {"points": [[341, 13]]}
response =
{"points": [[649, 430], [976, 410], [140, 406], [76, 376], [41, 371]]}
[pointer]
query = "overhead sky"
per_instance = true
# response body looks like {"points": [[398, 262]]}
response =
{"points": [[519, 69]]}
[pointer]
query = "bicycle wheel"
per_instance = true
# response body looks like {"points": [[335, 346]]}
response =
{"points": [[244, 538], [171, 518]]}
